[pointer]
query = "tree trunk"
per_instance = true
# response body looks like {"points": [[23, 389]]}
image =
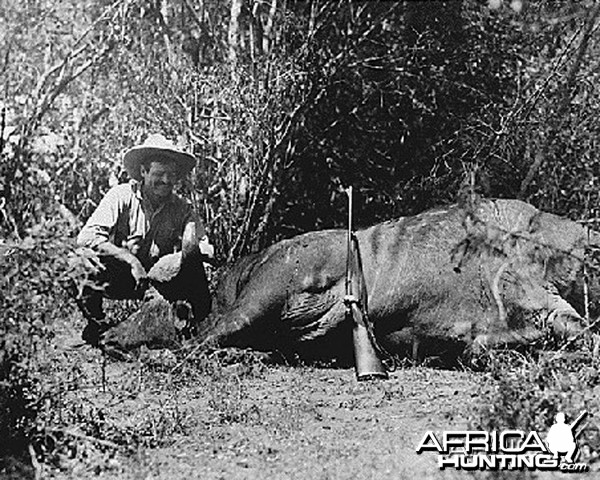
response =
{"points": [[269, 27], [234, 31]]}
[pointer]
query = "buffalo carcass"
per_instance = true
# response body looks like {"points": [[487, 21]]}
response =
{"points": [[498, 272]]}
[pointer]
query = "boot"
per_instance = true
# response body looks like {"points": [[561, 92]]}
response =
{"points": [[90, 305], [93, 332]]}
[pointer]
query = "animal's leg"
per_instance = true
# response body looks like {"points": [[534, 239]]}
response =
{"points": [[491, 340], [328, 335], [564, 324], [415, 349], [249, 325], [322, 322]]}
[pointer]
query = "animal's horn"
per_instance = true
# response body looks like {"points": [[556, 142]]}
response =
{"points": [[193, 283], [189, 243]]}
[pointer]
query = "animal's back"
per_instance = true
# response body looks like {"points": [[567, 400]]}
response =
{"points": [[419, 284]]}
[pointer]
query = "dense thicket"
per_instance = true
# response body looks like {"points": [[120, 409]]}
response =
{"points": [[420, 101], [413, 103]]}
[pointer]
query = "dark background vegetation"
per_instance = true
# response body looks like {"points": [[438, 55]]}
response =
{"points": [[414, 104], [287, 103]]}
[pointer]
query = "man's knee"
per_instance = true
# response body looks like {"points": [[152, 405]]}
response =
{"points": [[106, 275]]}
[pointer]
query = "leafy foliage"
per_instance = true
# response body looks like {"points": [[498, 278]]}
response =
{"points": [[529, 393], [421, 101], [30, 297], [397, 90]]}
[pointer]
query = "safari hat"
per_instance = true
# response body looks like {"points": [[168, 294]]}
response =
{"points": [[156, 145]]}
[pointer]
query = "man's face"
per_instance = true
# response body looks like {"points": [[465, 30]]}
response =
{"points": [[159, 178]]}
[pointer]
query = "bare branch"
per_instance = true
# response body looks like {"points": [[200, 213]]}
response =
{"points": [[566, 94], [43, 80], [196, 18]]}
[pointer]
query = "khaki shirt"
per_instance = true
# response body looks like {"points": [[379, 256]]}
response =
{"points": [[127, 220]]}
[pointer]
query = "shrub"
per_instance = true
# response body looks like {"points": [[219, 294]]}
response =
{"points": [[30, 299], [527, 394]]}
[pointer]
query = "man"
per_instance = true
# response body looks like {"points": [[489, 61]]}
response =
{"points": [[134, 225]]}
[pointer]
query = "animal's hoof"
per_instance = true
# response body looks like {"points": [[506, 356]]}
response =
{"points": [[565, 326]]}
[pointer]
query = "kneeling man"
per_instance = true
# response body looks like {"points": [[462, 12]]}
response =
{"points": [[134, 225]]}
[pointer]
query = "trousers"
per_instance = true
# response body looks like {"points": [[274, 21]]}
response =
{"points": [[94, 276]]}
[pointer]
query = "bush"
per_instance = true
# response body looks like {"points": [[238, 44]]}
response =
{"points": [[528, 393], [31, 298]]}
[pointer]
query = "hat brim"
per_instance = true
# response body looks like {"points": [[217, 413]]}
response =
{"points": [[133, 158]]}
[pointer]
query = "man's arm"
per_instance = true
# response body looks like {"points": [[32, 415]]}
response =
{"points": [[137, 269], [102, 223]]}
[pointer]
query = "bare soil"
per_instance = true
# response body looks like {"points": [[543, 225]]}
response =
{"points": [[230, 415]]}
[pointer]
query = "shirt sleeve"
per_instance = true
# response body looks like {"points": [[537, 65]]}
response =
{"points": [[103, 221]]}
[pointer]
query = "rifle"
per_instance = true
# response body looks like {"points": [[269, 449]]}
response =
{"points": [[367, 364]]}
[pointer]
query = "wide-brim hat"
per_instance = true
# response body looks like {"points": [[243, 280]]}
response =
{"points": [[159, 147]]}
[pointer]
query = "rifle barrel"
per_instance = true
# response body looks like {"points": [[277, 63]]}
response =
{"points": [[349, 244]]}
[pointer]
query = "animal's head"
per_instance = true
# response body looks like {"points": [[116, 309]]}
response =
{"points": [[542, 265], [567, 257]]}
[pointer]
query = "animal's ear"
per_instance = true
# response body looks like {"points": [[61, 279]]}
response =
{"points": [[535, 223]]}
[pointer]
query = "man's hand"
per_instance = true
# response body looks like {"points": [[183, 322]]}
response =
{"points": [[206, 248], [139, 273]]}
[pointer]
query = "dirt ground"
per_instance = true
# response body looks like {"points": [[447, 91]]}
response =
{"points": [[232, 416]]}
